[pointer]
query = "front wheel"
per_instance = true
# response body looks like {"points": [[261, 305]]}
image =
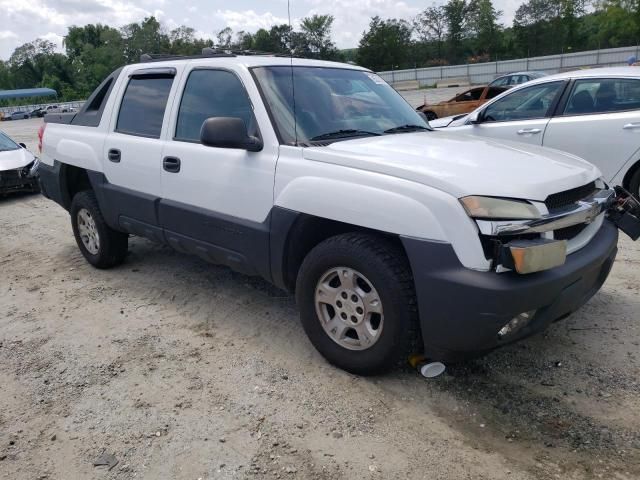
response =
{"points": [[102, 246], [357, 303]]}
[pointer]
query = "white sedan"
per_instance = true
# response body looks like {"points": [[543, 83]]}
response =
{"points": [[594, 114], [18, 167]]}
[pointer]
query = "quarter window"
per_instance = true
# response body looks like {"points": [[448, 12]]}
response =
{"points": [[143, 106], [524, 104], [212, 93], [603, 95]]}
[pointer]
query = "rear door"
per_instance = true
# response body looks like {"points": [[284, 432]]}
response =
{"points": [[133, 147], [599, 122], [521, 115]]}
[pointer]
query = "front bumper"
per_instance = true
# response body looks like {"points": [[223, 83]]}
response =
{"points": [[462, 310], [18, 180]]}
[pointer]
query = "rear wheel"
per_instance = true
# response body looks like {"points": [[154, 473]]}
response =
{"points": [[102, 246], [357, 303]]}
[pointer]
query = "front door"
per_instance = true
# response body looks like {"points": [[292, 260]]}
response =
{"points": [[216, 201], [521, 115]]}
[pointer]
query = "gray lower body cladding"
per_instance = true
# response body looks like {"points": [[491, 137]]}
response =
{"points": [[462, 310]]}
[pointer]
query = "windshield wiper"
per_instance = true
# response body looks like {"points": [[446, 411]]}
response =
{"points": [[350, 132], [406, 128]]}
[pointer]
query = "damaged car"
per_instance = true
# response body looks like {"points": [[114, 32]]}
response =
{"points": [[18, 167]]}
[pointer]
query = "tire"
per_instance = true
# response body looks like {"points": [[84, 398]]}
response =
{"points": [[379, 263], [634, 184], [110, 249]]}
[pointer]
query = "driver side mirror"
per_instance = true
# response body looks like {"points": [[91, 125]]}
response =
{"points": [[475, 117], [22, 145], [228, 132]]}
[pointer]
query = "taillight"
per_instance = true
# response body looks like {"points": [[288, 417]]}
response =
{"points": [[40, 135]]}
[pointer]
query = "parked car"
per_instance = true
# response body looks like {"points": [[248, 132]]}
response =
{"points": [[18, 167], [389, 233], [594, 114], [37, 113], [17, 115], [516, 78], [462, 103]]}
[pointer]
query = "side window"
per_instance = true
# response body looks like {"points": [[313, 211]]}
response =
{"points": [[494, 92], [500, 82], [212, 93], [524, 104], [603, 95], [143, 105]]}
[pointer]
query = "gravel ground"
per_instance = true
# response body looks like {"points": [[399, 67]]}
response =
{"points": [[184, 370]]}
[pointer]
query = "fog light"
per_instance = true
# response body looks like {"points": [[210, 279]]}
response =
{"points": [[516, 323]]}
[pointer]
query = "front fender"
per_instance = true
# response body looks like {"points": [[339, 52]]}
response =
{"points": [[362, 205]]}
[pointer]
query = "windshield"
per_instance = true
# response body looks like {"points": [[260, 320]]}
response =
{"points": [[7, 144], [333, 103]]}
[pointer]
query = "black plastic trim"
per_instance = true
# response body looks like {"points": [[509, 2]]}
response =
{"points": [[156, 72], [461, 310], [51, 182], [92, 118]]}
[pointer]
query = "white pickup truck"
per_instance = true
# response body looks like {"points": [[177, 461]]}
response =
{"points": [[320, 178]]}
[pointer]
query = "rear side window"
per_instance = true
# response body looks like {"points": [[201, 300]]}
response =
{"points": [[212, 93], [143, 105], [603, 95]]}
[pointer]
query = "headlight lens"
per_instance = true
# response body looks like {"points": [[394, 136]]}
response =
{"points": [[499, 208]]}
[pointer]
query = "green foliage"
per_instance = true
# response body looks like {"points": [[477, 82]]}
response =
{"points": [[458, 31], [386, 45]]}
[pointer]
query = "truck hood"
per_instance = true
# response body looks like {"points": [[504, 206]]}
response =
{"points": [[12, 159], [462, 165]]}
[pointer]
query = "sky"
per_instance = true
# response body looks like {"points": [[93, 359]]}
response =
{"points": [[25, 20]]}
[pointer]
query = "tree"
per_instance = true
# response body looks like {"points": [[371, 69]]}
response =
{"points": [[431, 26], [483, 26], [144, 37], [385, 45], [316, 31], [456, 12], [224, 37]]}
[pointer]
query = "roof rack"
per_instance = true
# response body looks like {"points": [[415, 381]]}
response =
{"points": [[207, 52]]}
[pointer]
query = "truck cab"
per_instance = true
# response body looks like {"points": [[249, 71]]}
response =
{"points": [[320, 178]]}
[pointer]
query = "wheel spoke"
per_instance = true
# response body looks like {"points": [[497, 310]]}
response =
{"points": [[364, 336], [347, 278], [326, 292], [337, 327], [372, 302]]}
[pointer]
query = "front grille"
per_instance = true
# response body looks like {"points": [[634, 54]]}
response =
{"points": [[567, 198], [13, 178], [569, 233]]}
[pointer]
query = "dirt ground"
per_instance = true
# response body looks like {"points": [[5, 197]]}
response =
{"points": [[184, 370]]}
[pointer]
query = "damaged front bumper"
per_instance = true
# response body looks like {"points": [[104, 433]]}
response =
{"points": [[529, 246], [465, 313], [24, 179]]}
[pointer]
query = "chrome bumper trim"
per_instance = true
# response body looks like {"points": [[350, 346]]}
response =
{"points": [[585, 211]]}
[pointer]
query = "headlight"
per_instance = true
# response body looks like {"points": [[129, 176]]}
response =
{"points": [[499, 208]]}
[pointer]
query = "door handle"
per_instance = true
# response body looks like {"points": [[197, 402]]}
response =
{"points": [[171, 164], [528, 131], [631, 126], [114, 155]]}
